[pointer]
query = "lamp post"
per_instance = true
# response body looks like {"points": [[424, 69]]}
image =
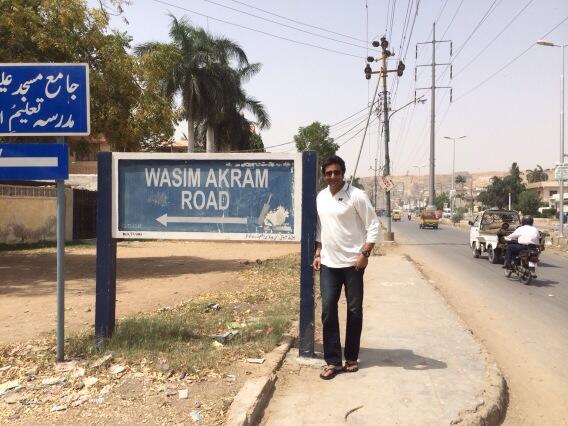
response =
{"points": [[419, 184], [453, 170], [561, 178]]}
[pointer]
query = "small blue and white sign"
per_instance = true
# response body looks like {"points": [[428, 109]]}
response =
{"points": [[44, 99], [207, 196], [22, 161]]}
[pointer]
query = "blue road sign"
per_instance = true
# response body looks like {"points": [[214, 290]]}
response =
{"points": [[21, 161], [211, 196], [44, 99]]}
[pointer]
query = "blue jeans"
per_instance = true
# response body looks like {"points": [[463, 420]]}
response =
{"points": [[512, 250], [331, 283]]}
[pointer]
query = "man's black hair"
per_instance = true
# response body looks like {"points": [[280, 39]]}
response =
{"points": [[333, 159]]}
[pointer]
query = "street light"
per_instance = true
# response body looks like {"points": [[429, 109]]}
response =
{"points": [[560, 178], [419, 185], [453, 170]]}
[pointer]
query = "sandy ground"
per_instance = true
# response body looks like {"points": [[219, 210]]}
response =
{"points": [[150, 275]]}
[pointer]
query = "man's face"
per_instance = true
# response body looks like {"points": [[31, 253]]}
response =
{"points": [[333, 176]]}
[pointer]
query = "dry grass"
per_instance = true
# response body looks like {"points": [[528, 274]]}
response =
{"points": [[261, 313]]}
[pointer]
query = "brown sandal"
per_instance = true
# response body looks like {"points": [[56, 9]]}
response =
{"points": [[330, 371], [351, 366]]}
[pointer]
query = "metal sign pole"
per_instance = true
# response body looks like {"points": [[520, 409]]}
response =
{"points": [[60, 183], [307, 312], [105, 304], [60, 330]]}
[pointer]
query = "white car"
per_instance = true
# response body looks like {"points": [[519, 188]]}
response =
{"points": [[487, 232]]}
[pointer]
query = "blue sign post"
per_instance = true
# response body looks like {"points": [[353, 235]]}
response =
{"points": [[207, 196], [44, 99], [254, 197], [21, 161]]}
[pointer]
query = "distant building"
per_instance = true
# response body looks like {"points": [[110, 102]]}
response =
{"points": [[548, 191]]}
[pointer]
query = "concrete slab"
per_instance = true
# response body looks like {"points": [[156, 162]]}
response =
{"points": [[419, 365]]}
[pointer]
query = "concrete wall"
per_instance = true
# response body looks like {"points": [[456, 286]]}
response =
{"points": [[31, 219]]}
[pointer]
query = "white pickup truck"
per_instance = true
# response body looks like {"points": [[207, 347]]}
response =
{"points": [[487, 232]]}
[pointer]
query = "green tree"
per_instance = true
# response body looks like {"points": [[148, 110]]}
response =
{"points": [[529, 202], [497, 193], [460, 181], [198, 68], [67, 31], [441, 199], [316, 137]]}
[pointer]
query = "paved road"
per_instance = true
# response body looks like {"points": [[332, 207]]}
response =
{"points": [[524, 327]]}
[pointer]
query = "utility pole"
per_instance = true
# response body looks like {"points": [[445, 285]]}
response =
{"points": [[386, 171], [420, 190], [375, 170], [384, 44], [432, 190]]}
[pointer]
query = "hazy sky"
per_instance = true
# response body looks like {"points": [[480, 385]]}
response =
{"points": [[514, 116]]}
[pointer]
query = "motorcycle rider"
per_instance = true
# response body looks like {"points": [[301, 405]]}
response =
{"points": [[525, 234]]}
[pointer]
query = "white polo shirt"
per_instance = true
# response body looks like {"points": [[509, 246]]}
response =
{"points": [[345, 222], [525, 234]]}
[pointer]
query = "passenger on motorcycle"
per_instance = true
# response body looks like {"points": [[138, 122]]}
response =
{"points": [[525, 234]]}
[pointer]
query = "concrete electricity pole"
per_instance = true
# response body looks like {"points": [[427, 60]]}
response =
{"points": [[432, 190], [384, 44], [452, 195], [562, 154], [419, 185]]}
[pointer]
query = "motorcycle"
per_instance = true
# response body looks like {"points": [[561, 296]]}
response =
{"points": [[524, 264]]}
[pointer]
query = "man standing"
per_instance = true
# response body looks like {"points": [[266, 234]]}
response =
{"points": [[347, 230]]}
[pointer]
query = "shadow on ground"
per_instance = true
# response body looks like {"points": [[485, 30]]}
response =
{"points": [[35, 274]]}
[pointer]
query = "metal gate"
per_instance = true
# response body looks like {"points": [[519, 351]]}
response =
{"points": [[84, 214]]}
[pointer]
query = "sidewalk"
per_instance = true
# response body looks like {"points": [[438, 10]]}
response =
{"points": [[418, 364]]}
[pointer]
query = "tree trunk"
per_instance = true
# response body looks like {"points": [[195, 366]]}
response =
{"points": [[190, 134], [210, 144]]}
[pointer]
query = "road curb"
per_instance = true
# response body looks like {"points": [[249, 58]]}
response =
{"points": [[494, 398], [251, 400]]}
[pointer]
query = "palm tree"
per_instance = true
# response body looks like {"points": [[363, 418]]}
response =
{"points": [[189, 67], [232, 129], [537, 175]]}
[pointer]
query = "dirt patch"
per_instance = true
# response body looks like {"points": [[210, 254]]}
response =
{"points": [[150, 275], [157, 385]]}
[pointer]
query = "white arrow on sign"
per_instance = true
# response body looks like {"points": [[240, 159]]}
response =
{"points": [[29, 161], [165, 219]]}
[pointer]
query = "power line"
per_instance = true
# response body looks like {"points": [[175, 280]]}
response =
{"points": [[351, 129], [392, 18], [257, 31], [296, 21], [347, 118], [489, 11], [495, 38], [483, 19], [355, 134], [509, 63], [452, 20], [284, 25]]}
